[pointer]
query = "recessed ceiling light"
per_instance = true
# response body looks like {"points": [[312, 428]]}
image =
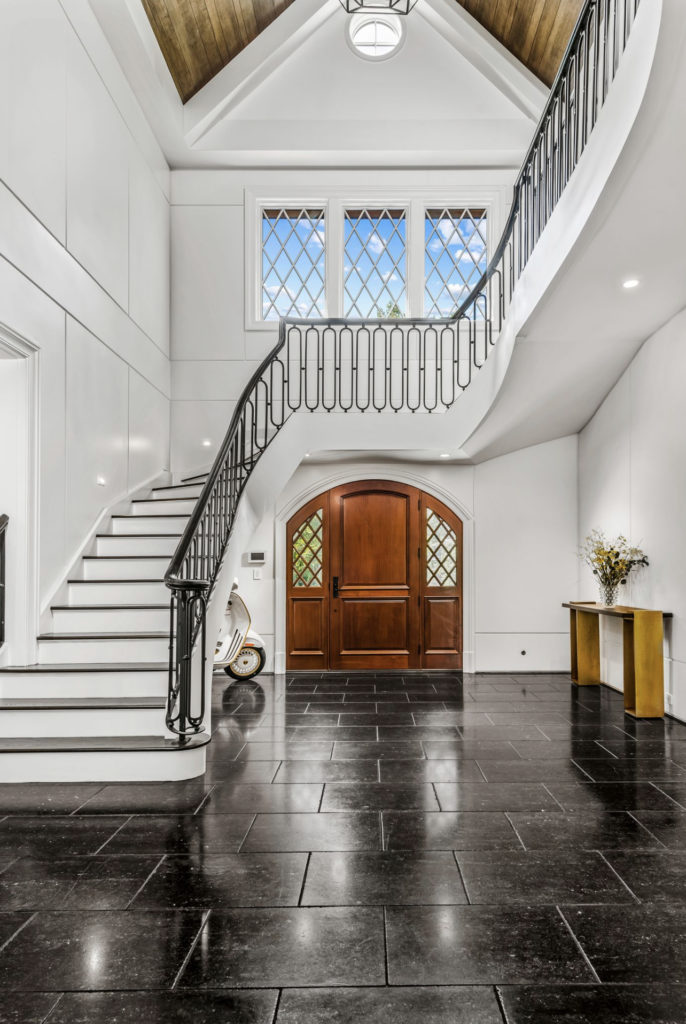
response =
{"points": [[444, 455], [307, 455], [100, 481], [206, 443], [631, 282]]}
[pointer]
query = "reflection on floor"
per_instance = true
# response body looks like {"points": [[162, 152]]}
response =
{"points": [[363, 849]]}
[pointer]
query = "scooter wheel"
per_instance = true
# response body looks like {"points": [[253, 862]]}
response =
{"points": [[248, 663]]}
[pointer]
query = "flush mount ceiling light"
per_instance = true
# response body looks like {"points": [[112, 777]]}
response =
{"points": [[444, 455], [378, 6], [631, 282], [206, 443]]}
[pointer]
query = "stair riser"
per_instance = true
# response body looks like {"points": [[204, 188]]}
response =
{"points": [[114, 620], [83, 652], [17, 685], [192, 491], [132, 545], [148, 524], [103, 766], [125, 568], [86, 722], [181, 507], [117, 593]]}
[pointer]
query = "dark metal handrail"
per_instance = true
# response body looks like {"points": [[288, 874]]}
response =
{"points": [[4, 520], [414, 364]]}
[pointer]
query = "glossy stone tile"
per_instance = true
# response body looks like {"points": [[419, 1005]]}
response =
{"points": [[181, 834], [531, 771], [362, 796], [410, 830], [387, 719], [339, 732], [496, 796], [395, 751], [98, 883], [633, 769], [323, 832], [637, 943], [657, 1003], [255, 1007], [27, 1007], [104, 950], [232, 798], [350, 879], [289, 948], [241, 771], [430, 771], [391, 733], [654, 876], [569, 876], [613, 796], [581, 830], [225, 880], [668, 826], [147, 798], [44, 837], [10, 923], [461, 1005], [469, 749], [327, 771], [481, 945], [554, 750], [287, 750], [44, 798]]}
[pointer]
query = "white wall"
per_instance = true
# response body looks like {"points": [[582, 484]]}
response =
{"points": [[520, 516], [84, 266], [632, 480]]}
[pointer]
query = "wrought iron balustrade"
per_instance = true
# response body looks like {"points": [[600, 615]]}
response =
{"points": [[392, 365]]}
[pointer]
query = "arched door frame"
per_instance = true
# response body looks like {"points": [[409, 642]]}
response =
{"points": [[373, 471]]}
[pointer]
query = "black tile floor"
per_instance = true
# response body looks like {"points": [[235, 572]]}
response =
{"points": [[364, 849]]}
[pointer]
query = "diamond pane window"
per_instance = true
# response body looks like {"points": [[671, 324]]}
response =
{"points": [[293, 263], [455, 257], [441, 552], [374, 263], [307, 555]]}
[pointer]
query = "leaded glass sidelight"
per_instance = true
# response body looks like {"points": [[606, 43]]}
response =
{"points": [[455, 257], [441, 552], [374, 263], [307, 554], [293, 263]]}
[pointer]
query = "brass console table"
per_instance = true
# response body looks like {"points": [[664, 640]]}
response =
{"points": [[643, 653]]}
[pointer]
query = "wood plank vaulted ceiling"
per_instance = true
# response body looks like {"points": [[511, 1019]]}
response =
{"points": [[200, 37]]}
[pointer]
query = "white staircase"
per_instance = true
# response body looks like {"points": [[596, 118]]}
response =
{"points": [[93, 707]]}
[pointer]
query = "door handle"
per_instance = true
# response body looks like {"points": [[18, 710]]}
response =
{"points": [[335, 586]]}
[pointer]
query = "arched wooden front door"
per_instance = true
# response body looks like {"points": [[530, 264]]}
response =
{"points": [[374, 580]]}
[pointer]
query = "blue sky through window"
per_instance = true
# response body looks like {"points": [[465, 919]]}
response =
{"points": [[455, 257], [293, 263], [374, 263]]}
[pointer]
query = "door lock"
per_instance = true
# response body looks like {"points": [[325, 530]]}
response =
{"points": [[335, 586]]}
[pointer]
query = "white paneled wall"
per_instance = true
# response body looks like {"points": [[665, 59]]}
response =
{"points": [[632, 480], [84, 268]]}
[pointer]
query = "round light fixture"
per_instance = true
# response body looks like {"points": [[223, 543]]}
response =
{"points": [[375, 36], [631, 282], [444, 455], [206, 443]]}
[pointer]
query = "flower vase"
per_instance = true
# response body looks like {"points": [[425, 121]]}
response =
{"points": [[608, 594]]}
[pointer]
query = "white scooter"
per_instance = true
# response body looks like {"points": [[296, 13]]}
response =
{"points": [[239, 649]]}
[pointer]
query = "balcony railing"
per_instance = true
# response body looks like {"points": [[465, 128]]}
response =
{"points": [[418, 366]]}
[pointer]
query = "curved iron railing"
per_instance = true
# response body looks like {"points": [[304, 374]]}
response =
{"points": [[416, 365]]}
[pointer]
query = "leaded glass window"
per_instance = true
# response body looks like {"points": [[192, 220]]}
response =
{"points": [[441, 552], [307, 554], [293, 263], [375, 263], [455, 257]]}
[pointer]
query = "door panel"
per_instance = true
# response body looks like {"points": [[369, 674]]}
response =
{"points": [[375, 559], [374, 580]]}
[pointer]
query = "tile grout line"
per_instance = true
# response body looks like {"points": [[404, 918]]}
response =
{"points": [[512, 826], [551, 794], [46, 1018], [116, 832], [186, 959], [385, 945], [247, 833], [140, 888], [614, 871], [21, 927], [302, 887], [86, 802], [499, 1001], [277, 1005], [459, 871], [578, 945], [205, 799], [646, 829]]}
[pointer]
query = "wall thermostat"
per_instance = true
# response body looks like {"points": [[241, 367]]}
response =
{"points": [[256, 557]]}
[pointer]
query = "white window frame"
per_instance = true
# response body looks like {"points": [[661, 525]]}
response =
{"points": [[494, 199]]}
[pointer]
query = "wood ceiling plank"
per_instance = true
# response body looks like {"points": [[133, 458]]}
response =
{"points": [[551, 40], [190, 40], [203, 22], [172, 51]]}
